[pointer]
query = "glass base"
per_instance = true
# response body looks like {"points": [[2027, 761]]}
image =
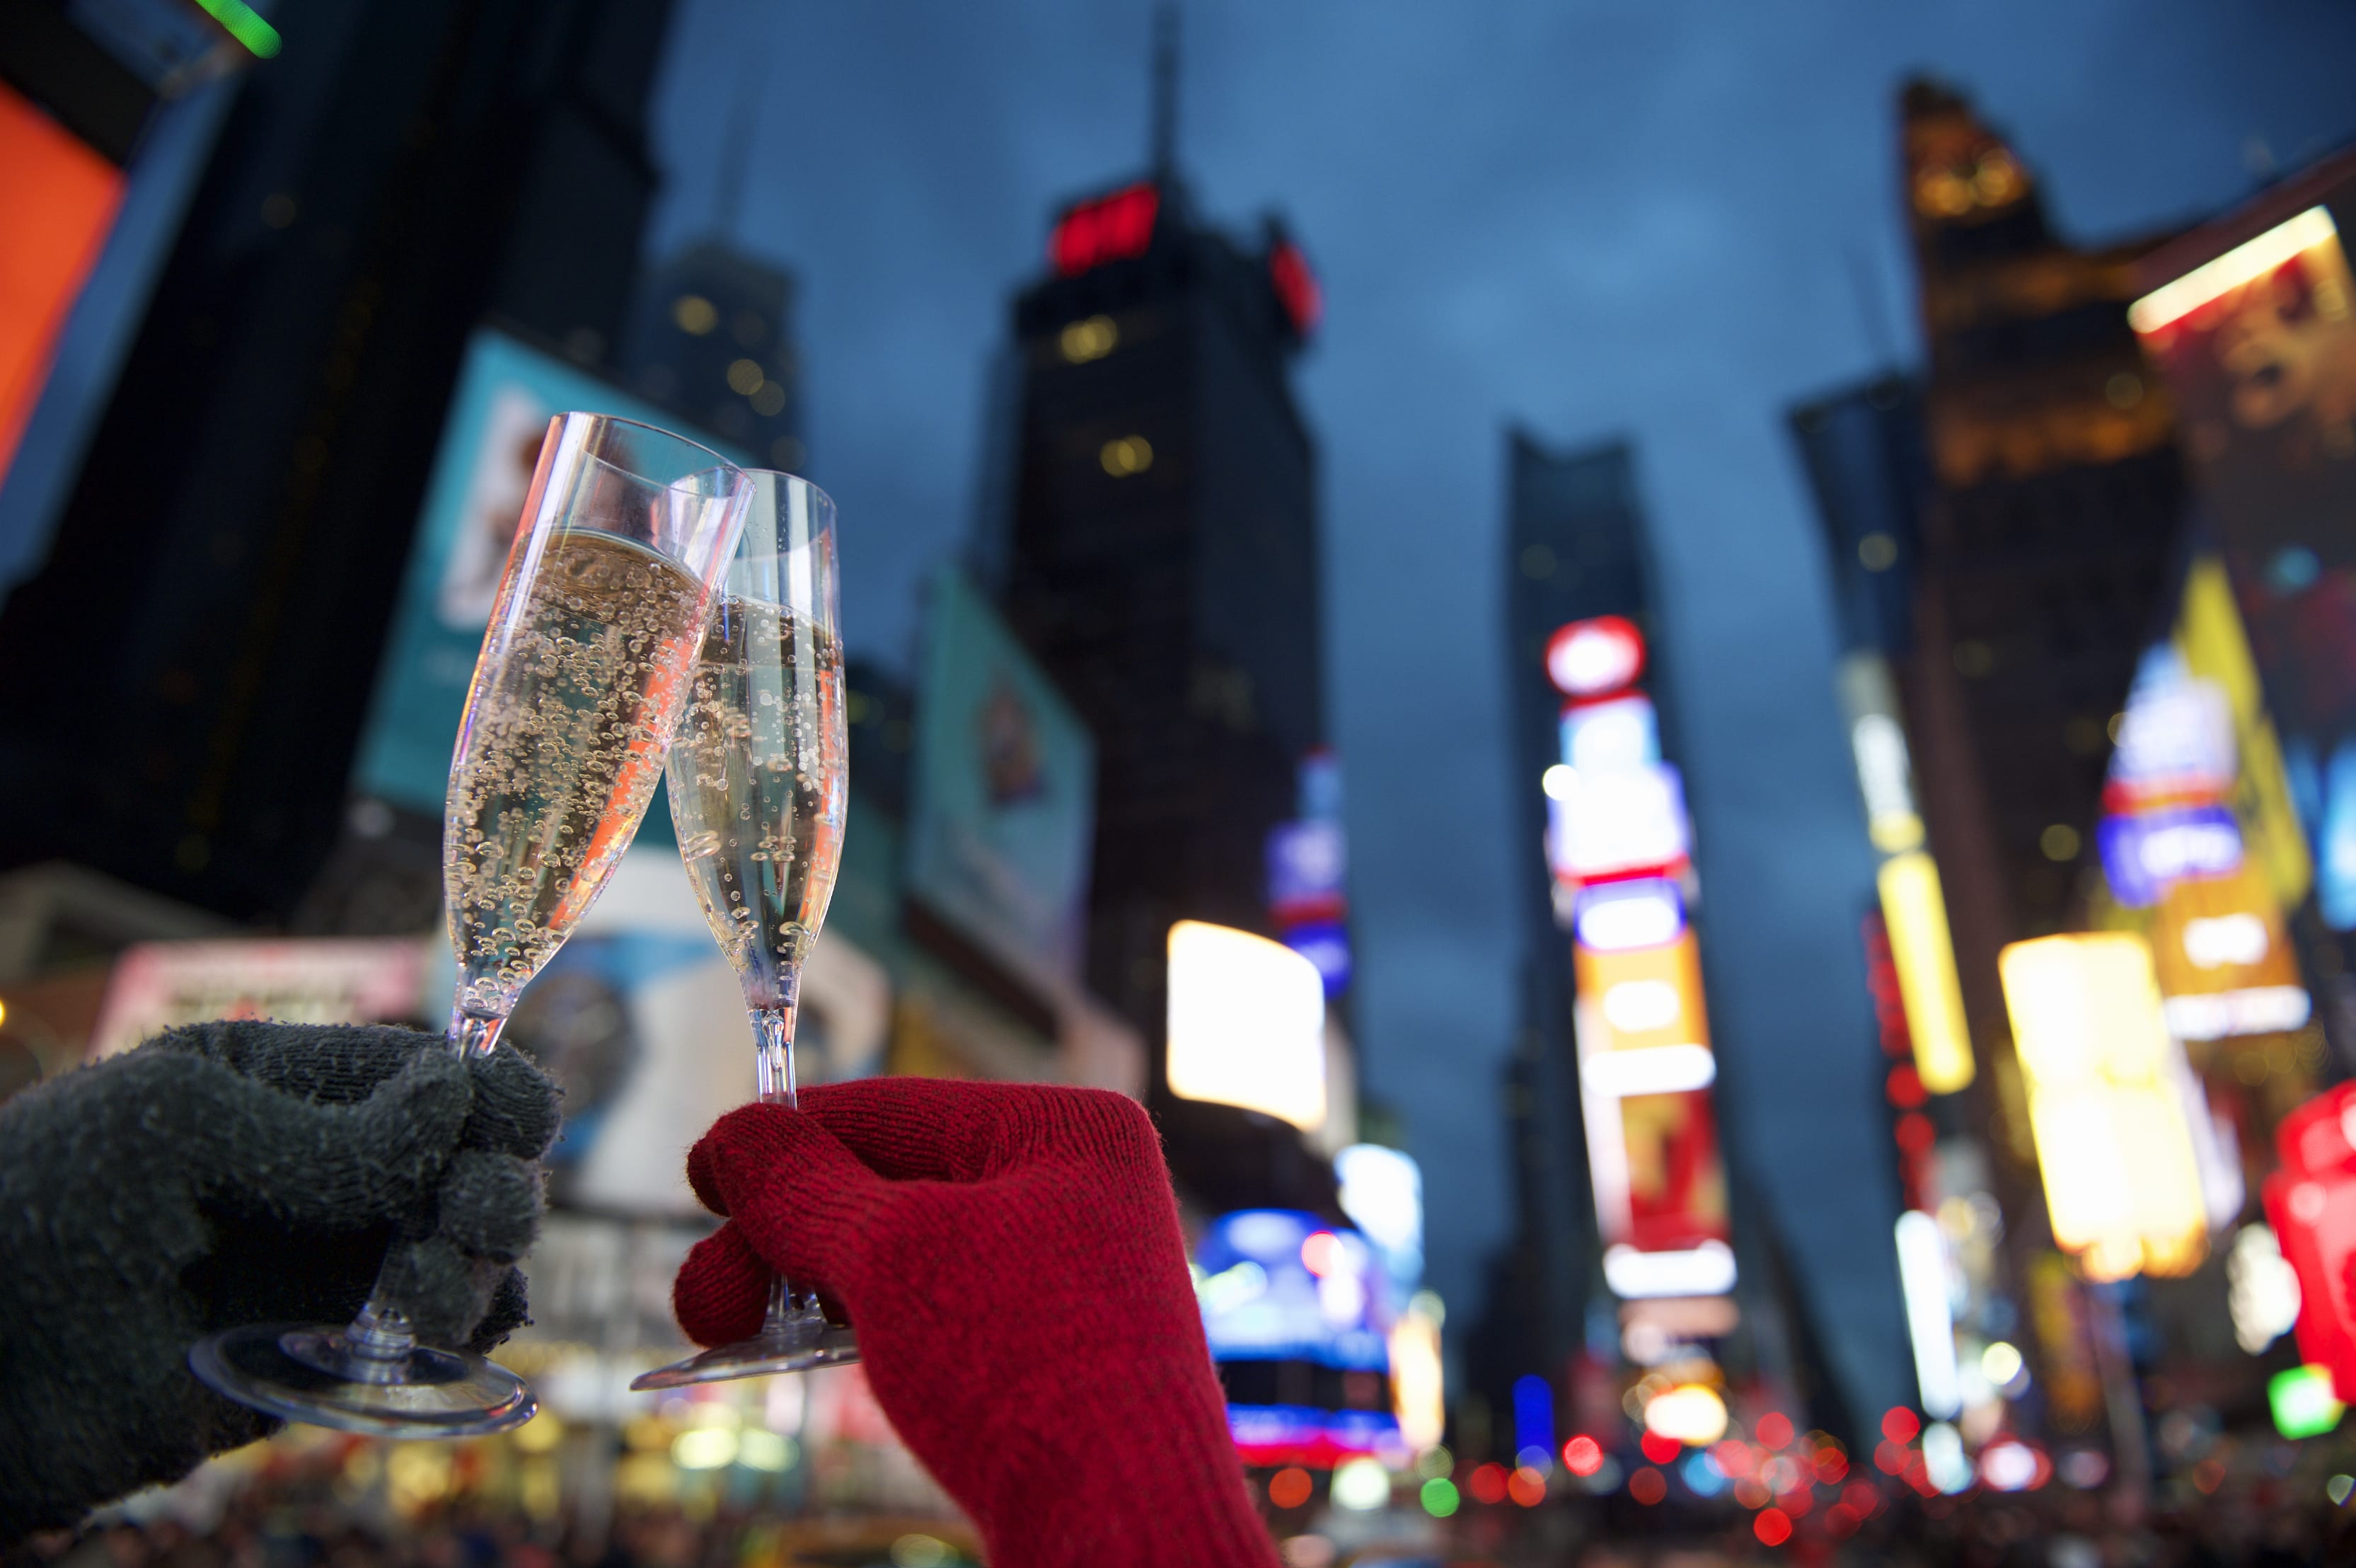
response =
{"points": [[309, 1372], [797, 1345]]}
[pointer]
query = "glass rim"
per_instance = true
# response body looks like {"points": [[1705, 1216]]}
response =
{"points": [[719, 464], [811, 485]]}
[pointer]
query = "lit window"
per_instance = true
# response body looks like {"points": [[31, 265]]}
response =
{"points": [[745, 376], [1129, 455], [1089, 340], [694, 314]]}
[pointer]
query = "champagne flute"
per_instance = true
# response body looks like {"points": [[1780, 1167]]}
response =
{"points": [[758, 783], [606, 599]]}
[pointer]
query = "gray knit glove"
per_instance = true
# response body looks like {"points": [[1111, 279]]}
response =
{"points": [[239, 1173]]}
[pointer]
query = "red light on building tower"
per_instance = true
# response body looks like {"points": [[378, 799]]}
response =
{"points": [[1296, 287], [1108, 229]]}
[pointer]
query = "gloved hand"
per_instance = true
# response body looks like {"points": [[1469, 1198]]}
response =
{"points": [[239, 1173], [1010, 1257]]}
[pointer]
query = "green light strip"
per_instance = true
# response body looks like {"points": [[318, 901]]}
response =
{"points": [[244, 25]]}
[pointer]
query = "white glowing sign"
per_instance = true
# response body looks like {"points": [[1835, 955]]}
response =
{"points": [[1246, 1024]]}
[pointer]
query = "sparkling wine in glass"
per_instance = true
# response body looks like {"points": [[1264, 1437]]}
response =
{"points": [[607, 596], [758, 783]]}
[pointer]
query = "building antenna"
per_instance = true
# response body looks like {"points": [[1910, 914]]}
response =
{"points": [[736, 149], [1869, 308], [1165, 127]]}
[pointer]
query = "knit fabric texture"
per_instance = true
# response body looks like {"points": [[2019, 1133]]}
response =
{"points": [[1011, 1259], [239, 1173]]}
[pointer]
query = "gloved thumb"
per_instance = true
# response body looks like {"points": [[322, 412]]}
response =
{"points": [[792, 1188], [723, 1289]]}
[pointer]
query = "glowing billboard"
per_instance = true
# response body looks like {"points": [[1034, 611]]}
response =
{"points": [[2254, 335], [1292, 1312], [1620, 844], [1246, 1024], [2312, 1202], [45, 170], [1002, 811], [2192, 758], [2107, 1103], [1915, 912]]}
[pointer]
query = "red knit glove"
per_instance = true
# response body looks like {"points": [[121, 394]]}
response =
{"points": [[1010, 1256]]}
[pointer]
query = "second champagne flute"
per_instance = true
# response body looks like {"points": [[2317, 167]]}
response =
{"points": [[758, 781]]}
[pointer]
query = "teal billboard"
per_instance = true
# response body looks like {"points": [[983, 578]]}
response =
{"points": [[1005, 793]]}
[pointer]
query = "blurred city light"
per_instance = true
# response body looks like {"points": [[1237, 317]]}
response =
{"points": [[1361, 1485], [1246, 1024], [1692, 1415], [1590, 658], [1925, 956], [1924, 1281], [2244, 264], [1533, 1417], [2302, 1403], [2123, 1181]]}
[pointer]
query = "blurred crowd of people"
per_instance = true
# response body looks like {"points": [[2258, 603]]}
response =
{"points": [[285, 1516]]}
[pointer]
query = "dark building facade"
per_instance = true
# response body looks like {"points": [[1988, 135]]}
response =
{"points": [[209, 616], [2053, 514], [1155, 544], [710, 334], [1160, 558]]}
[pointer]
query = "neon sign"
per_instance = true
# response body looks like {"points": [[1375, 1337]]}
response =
{"points": [[1592, 657]]}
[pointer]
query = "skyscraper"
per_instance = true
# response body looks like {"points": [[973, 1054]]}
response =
{"points": [[710, 334], [2055, 506], [1574, 550], [209, 621], [1158, 550]]}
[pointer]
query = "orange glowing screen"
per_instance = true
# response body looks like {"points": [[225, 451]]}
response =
{"points": [[1645, 996], [62, 198]]}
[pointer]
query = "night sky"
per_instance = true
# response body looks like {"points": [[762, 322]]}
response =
{"points": [[1664, 219]]}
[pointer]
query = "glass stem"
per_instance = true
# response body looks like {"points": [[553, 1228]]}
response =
{"points": [[773, 1035], [379, 1339], [468, 1035]]}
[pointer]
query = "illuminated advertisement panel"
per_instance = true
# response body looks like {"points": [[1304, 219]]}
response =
{"points": [[1246, 1024], [2173, 845], [1645, 1069], [43, 169], [2107, 1108], [1003, 813], [2258, 351], [1291, 1309], [1611, 823], [1620, 842]]}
